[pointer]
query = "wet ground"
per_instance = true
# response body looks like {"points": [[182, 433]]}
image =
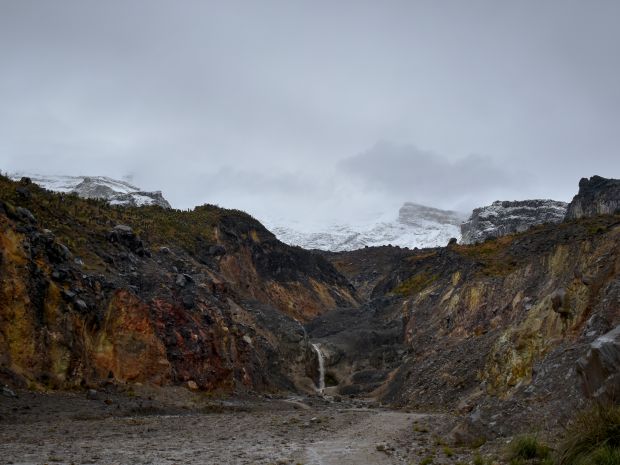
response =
{"points": [[176, 426]]}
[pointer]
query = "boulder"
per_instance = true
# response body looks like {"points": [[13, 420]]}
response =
{"points": [[123, 229], [599, 369], [469, 433], [81, 305], [217, 250], [123, 234], [8, 392], [181, 280], [23, 192], [191, 384], [25, 215]]}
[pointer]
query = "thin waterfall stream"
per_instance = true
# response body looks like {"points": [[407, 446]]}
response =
{"points": [[321, 359]]}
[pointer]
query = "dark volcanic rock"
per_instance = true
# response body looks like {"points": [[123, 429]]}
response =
{"points": [[216, 307], [597, 196], [494, 329], [599, 369], [360, 345], [504, 217]]}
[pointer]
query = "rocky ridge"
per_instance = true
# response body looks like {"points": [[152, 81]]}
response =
{"points": [[509, 217], [92, 294], [493, 330], [98, 187], [596, 196], [212, 300], [480, 329]]}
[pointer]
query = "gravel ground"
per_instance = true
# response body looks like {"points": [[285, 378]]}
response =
{"points": [[176, 426]]}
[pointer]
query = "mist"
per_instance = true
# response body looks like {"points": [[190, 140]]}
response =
{"points": [[314, 111]]}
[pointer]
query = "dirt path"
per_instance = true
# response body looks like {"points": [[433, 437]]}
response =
{"points": [[67, 430], [357, 442]]}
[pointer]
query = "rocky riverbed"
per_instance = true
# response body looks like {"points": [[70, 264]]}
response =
{"points": [[143, 425]]}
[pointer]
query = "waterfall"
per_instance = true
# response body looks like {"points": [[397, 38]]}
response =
{"points": [[319, 354]]}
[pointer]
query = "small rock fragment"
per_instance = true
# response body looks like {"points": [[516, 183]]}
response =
{"points": [[8, 392], [192, 385]]}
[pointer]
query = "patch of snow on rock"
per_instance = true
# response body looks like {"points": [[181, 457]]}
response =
{"points": [[100, 187]]}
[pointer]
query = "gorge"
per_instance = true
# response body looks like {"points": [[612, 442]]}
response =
{"points": [[121, 309]]}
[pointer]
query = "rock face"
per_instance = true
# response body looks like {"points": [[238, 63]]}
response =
{"points": [[98, 187], [91, 294], [415, 226], [506, 217], [361, 346], [209, 299], [596, 196], [485, 328], [599, 369]]}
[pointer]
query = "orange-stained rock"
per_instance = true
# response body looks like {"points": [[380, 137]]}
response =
{"points": [[127, 347]]}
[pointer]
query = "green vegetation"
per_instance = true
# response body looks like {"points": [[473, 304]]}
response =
{"points": [[427, 460], [493, 254], [528, 450], [416, 284], [83, 224], [448, 451], [420, 429], [593, 438], [479, 460]]}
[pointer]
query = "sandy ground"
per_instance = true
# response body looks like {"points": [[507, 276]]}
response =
{"points": [[175, 426]]}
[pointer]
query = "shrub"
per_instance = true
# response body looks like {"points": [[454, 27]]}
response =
{"points": [[593, 438], [416, 284], [427, 460], [527, 448]]}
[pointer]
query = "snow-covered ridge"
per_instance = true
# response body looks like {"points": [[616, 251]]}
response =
{"points": [[100, 187], [509, 217], [415, 226]]}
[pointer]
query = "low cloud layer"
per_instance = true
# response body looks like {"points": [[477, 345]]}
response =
{"points": [[407, 172], [277, 107]]}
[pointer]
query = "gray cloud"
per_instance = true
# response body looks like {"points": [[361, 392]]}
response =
{"points": [[410, 173], [185, 95]]}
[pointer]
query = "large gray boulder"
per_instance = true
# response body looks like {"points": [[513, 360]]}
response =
{"points": [[599, 369]]}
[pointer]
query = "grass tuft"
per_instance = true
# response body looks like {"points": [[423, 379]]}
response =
{"points": [[593, 438], [527, 448]]}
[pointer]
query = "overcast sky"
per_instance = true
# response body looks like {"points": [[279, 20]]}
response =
{"points": [[299, 109]]}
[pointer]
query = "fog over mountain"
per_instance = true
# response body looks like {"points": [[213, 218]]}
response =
{"points": [[314, 111]]}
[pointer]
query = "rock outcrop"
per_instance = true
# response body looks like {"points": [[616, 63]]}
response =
{"points": [[596, 196], [486, 328], [509, 217], [91, 294], [209, 299], [599, 369]]}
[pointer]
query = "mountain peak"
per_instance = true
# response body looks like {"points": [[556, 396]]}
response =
{"points": [[98, 187], [415, 226]]}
